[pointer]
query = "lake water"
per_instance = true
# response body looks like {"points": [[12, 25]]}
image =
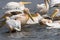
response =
{"points": [[31, 32]]}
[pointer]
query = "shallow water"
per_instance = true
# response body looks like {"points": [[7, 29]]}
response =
{"points": [[31, 32]]}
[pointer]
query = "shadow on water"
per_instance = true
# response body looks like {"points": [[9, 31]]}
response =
{"points": [[27, 32]]}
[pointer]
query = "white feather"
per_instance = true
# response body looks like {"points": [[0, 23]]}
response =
{"points": [[53, 2], [40, 6], [43, 8], [55, 24]]}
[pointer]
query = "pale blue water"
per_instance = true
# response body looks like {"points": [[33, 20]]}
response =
{"points": [[32, 32]]}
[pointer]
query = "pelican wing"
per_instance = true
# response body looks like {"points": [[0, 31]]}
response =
{"points": [[57, 5]]}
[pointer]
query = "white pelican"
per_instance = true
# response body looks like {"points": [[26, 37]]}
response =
{"points": [[16, 18], [43, 8], [22, 20], [54, 24], [54, 3], [14, 7], [16, 4]]}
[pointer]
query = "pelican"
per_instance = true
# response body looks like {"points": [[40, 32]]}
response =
{"points": [[54, 4], [16, 6], [54, 24], [51, 23], [23, 17], [43, 8], [22, 21]]}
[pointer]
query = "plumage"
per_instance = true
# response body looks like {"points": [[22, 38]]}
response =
{"points": [[54, 2], [55, 24], [43, 8]]}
